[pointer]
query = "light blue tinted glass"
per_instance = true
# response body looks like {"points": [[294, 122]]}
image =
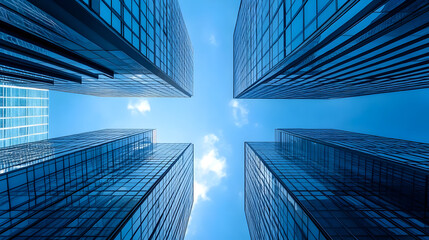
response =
{"points": [[24, 115]]}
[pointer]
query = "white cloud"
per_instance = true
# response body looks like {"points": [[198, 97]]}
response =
{"points": [[200, 191], [209, 170], [142, 106], [239, 113], [212, 40], [211, 162]]}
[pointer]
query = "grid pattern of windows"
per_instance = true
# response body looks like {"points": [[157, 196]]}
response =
{"points": [[344, 190], [329, 48], [107, 47], [403, 152], [119, 186], [24, 115], [272, 211], [156, 29], [14, 157]]}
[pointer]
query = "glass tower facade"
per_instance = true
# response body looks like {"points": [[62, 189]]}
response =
{"points": [[320, 49], [119, 48], [332, 184], [24, 115], [108, 184]]}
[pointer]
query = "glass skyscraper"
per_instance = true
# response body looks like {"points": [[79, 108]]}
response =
{"points": [[119, 48], [320, 49], [24, 115], [332, 184], [108, 184]]}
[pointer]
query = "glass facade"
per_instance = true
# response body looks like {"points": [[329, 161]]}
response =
{"points": [[120, 48], [332, 184], [24, 115], [108, 184], [320, 49]]}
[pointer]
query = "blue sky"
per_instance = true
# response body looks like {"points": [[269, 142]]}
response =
{"points": [[219, 125]]}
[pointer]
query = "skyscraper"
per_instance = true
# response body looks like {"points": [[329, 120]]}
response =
{"points": [[332, 184], [320, 49], [130, 48], [24, 115], [108, 184]]}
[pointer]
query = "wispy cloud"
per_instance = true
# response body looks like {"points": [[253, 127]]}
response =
{"points": [[239, 113], [142, 106], [209, 170], [212, 40]]}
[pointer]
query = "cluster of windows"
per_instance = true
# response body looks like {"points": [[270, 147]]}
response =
{"points": [[395, 150], [25, 182], [156, 29], [268, 31], [340, 177], [387, 167], [14, 157], [24, 115], [329, 48], [120, 184], [148, 48], [132, 85], [165, 211], [272, 211]]}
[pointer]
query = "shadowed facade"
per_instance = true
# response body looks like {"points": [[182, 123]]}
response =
{"points": [[332, 184], [320, 49], [108, 184], [97, 47]]}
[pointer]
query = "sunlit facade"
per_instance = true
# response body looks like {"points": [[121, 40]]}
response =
{"points": [[24, 115], [321, 49], [332, 184], [109, 48], [108, 184]]}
